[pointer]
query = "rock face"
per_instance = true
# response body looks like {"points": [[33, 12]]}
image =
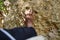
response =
{"points": [[46, 13]]}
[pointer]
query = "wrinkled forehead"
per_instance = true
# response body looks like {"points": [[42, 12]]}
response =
{"points": [[26, 5]]}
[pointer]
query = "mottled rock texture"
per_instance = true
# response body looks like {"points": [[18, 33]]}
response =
{"points": [[46, 16]]}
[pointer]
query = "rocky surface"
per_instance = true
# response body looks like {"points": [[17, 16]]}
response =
{"points": [[46, 13]]}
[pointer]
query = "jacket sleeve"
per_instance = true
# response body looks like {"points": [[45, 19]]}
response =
{"points": [[23, 33], [19, 33], [3, 36], [29, 32]]}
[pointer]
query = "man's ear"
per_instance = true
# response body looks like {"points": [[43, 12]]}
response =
{"points": [[1, 15]]}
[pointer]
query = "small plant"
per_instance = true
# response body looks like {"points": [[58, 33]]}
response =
{"points": [[1, 5]]}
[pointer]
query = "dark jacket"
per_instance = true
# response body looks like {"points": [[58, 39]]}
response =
{"points": [[19, 33]]}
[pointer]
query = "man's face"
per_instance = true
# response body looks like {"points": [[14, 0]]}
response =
{"points": [[28, 14]]}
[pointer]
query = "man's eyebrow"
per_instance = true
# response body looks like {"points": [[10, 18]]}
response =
{"points": [[27, 7]]}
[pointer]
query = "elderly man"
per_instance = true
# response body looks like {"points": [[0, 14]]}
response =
{"points": [[21, 33]]}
